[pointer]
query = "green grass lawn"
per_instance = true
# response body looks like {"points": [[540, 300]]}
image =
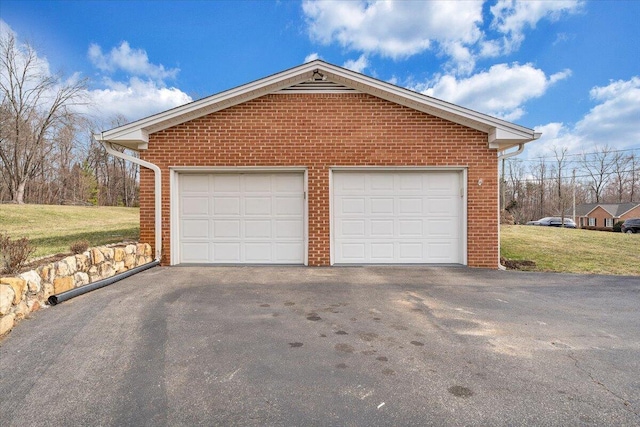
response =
{"points": [[572, 251], [52, 229]]}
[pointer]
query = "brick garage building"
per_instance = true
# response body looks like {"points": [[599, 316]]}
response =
{"points": [[319, 165]]}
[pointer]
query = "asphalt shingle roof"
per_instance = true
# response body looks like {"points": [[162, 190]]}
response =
{"points": [[615, 209]]}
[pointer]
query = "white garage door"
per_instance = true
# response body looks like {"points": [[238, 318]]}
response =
{"points": [[241, 218], [397, 217]]}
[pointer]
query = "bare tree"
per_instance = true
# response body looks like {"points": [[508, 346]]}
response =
{"points": [[539, 172], [621, 173], [598, 166], [35, 108]]}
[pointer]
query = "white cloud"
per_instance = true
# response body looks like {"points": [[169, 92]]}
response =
{"points": [[133, 61], [311, 57], [453, 29], [501, 91], [393, 29], [357, 65], [135, 98], [511, 17], [143, 94], [613, 121]]}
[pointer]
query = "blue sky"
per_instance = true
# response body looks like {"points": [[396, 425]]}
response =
{"points": [[570, 69]]}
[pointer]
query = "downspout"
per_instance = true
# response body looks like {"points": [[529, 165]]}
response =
{"points": [[503, 156], [158, 190]]}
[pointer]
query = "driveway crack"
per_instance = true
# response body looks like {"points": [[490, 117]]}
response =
{"points": [[625, 403]]}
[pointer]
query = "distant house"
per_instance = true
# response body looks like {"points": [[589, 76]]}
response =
{"points": [[602, 216]]}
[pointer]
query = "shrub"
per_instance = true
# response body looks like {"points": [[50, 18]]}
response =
{"points": [[14, 253], [617, 227], [79, 246]]}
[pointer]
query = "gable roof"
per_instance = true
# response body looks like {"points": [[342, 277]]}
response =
{"points": [[320, 76], [614, 209]]}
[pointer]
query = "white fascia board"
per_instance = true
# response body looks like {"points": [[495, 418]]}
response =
{"points": [[433, 106], [506, 134], [138, 131], [134, 139], [503, 139]]}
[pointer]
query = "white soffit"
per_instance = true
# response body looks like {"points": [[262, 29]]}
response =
{"points": [[501, 134]]}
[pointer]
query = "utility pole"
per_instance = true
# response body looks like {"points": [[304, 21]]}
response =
{"points": [[573, 184]]}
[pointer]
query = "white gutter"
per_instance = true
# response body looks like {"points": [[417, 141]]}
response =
{"points": [[158, 188], [513, 153]]}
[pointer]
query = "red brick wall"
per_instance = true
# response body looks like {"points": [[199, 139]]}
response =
{"points": [[633, 213], [600, 215], [318, 131]]}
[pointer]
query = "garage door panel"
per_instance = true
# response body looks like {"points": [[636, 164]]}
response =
{"points": [[442, 251], [256, 183], [229, 205], [288, 229], [381, 206], [381, 251], [351, 251], [439, 185], [287, 253], [381, 228], [257, 229], [195, 251], [443, 206], [258, 252], [225, 183], [195, 228], [289, 205], [241, 218], [288, 183], [225, 229], [410, 182], [410, 228], [411, 252], [356, 183], [195, 205], [410, 206], [256, 205], [351, 206], [443, 227], [195, 184], [381, 182], [226, 252], [349, 227], [397, 217]]}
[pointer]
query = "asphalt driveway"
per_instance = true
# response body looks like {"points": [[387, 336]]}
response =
{"points": [[330, 346]]}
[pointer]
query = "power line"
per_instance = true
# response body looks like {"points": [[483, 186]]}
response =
{"points": [[551, 157], [564, 178]]}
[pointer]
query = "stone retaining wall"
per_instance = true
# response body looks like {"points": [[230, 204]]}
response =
{"points": [[29, 291]]}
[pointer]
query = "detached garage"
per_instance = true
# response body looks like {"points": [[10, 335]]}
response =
{"points": [[319, 165]]}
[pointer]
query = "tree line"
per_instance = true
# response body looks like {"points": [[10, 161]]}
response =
{"points": [[547, 186], [47, 154]]}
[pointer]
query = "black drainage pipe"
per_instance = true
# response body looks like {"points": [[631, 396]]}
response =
{"points": [[61, 297]]}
